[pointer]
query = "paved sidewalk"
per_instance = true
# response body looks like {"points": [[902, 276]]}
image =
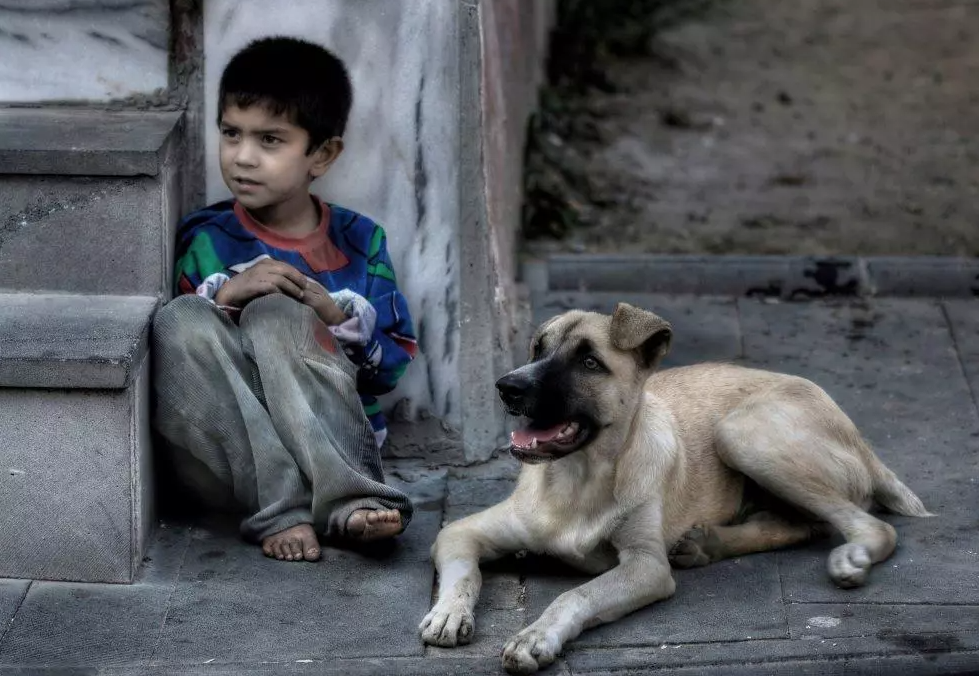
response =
{"points": [[906, 370]]}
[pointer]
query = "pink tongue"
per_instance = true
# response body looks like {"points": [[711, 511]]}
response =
{"points": [[525, 436]]}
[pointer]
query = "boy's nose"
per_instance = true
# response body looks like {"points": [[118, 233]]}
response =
{"points": [[246, 156]]}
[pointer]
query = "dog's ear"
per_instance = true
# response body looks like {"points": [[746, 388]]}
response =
{"points": [[637, 329]]}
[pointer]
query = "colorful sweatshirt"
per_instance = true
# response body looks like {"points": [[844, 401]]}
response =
{"points": [[348, 251]]}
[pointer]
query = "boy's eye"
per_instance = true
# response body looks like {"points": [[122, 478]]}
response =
{"points": [[270, 140], [229, 133]]}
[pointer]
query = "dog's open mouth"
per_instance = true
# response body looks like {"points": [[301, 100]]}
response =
{"points": [[535, 443]]}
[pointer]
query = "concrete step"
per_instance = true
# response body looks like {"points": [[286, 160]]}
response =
{"points": [[75, 474], [786, 277], [88, 200]]}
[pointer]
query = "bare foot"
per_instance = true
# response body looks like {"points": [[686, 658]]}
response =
{"points": [[293, 544], [367, 525]]}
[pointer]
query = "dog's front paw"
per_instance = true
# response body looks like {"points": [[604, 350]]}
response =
{"points": [[448, 625], [530, 650]]}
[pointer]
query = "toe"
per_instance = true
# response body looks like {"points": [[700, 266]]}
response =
{"points": [[311, 549], [433, 624], [369, 525], [296, 549], [356, 523]]}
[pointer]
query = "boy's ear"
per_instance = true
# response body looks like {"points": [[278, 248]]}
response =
{"points": [[326, 155]]}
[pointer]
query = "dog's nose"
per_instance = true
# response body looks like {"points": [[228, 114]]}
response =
{"points": [[512, 388]]}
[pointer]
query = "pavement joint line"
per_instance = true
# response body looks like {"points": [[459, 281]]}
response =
{"points": [[678, 644], [186, 664], [823, 659], [882, 652], [173, 590], [930, 276], [885, 603], [20, 602], [785, 604], [737, 316], [958, 355]]}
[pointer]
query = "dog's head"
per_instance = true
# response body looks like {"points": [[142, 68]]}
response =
{"points": [[583, 381]]}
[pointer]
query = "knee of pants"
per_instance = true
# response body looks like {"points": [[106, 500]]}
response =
{"points": [[280, 321], [188, 324], [281, 324], [272, 310]]}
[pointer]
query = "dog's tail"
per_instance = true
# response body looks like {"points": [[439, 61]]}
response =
{"points": [[894, 495]]}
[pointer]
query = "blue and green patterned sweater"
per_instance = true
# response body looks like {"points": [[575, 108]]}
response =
{"points": [[347, 251]]}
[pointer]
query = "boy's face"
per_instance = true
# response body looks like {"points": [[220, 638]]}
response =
{"points": [[263, 157]]}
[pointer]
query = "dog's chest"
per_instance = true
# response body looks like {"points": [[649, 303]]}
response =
{"points": [[574, 520], [578, 538]]}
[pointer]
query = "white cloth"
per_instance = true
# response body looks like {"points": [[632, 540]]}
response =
{"points": [[361, 315]]}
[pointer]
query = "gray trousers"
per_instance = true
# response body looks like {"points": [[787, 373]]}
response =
{"points": [[265, 415]]}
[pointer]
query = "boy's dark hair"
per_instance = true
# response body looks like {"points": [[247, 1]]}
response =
{"points": [[291, 77]]}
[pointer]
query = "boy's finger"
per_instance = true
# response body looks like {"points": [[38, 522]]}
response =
{"points": [[289, 287], [313, 285], [286, 270]]}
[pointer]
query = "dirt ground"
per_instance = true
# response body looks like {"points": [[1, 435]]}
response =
{"points": [[773, 127]]}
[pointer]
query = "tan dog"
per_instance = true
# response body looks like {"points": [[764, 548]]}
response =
{"points": [[627, 471]]}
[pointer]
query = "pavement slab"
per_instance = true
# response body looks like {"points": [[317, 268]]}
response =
{"points": [[892, 366], [734, 600], [233, 604], [963, 317], [872, 656], [831, 620], [74, 624], [262, 609]]}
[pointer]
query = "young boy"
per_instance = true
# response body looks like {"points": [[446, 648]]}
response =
{"points": [[287, 321]]}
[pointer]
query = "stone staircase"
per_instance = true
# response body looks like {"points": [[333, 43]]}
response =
{"points": [[88, 204]]}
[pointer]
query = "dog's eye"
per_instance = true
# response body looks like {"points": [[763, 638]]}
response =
{"points": [[591, 363]]}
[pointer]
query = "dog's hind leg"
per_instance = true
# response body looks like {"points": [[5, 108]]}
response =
{"points": [[796, 449], [762, 532]]}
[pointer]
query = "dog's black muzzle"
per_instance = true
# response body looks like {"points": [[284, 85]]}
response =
{"points": [[516, 391]]}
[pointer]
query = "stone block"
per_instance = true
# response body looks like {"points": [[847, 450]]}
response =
{"points": [[67, 341], [75, 483], [88, 200], [85, 142]]}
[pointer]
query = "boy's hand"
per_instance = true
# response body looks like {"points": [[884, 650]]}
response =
{"points": [[264, 278], [318, 298]]}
